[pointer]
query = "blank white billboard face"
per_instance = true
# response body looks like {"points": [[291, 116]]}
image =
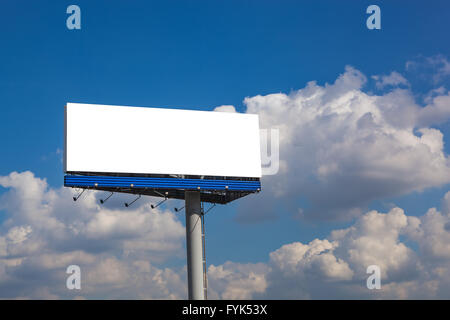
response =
{"points": [[113, 139]]}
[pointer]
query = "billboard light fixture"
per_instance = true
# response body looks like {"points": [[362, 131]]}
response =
{"points": [[129, 204], [79, 195], [102, 201], [179, 209]]}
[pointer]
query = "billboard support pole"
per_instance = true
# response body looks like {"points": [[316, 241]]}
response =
{"points": [[194, 245]]}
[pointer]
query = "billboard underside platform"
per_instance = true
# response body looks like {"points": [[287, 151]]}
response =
{"points": [[211, 190]]}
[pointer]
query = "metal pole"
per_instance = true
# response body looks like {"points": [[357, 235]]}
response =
{"points": [[194, 245]]}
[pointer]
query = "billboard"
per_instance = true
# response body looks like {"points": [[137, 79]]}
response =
{"points": [[137, 140]]}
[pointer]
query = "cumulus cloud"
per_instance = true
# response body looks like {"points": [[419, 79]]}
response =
{"points": [[225, 108], [436, 67], [236, 280], [125, 259], [393, 79], [341, 148], [118, 250], [335, 268]]}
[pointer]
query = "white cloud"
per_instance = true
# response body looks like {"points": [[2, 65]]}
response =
{"points": [[433, 235], [393, 79], [32, 266], [442, 65], [18, 234], [45, 231], [335, 268], [436, 67], [236, 280], [437, 110], [225, 108], [374, 239], [347, 148], [317, 257]]}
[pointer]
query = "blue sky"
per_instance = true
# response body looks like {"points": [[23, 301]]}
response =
{"points": [[200, 55], [194, 55]]}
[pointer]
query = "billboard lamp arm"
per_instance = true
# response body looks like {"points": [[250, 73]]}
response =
{"points": [[102, 201], [78, 196], [129, 204]]}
